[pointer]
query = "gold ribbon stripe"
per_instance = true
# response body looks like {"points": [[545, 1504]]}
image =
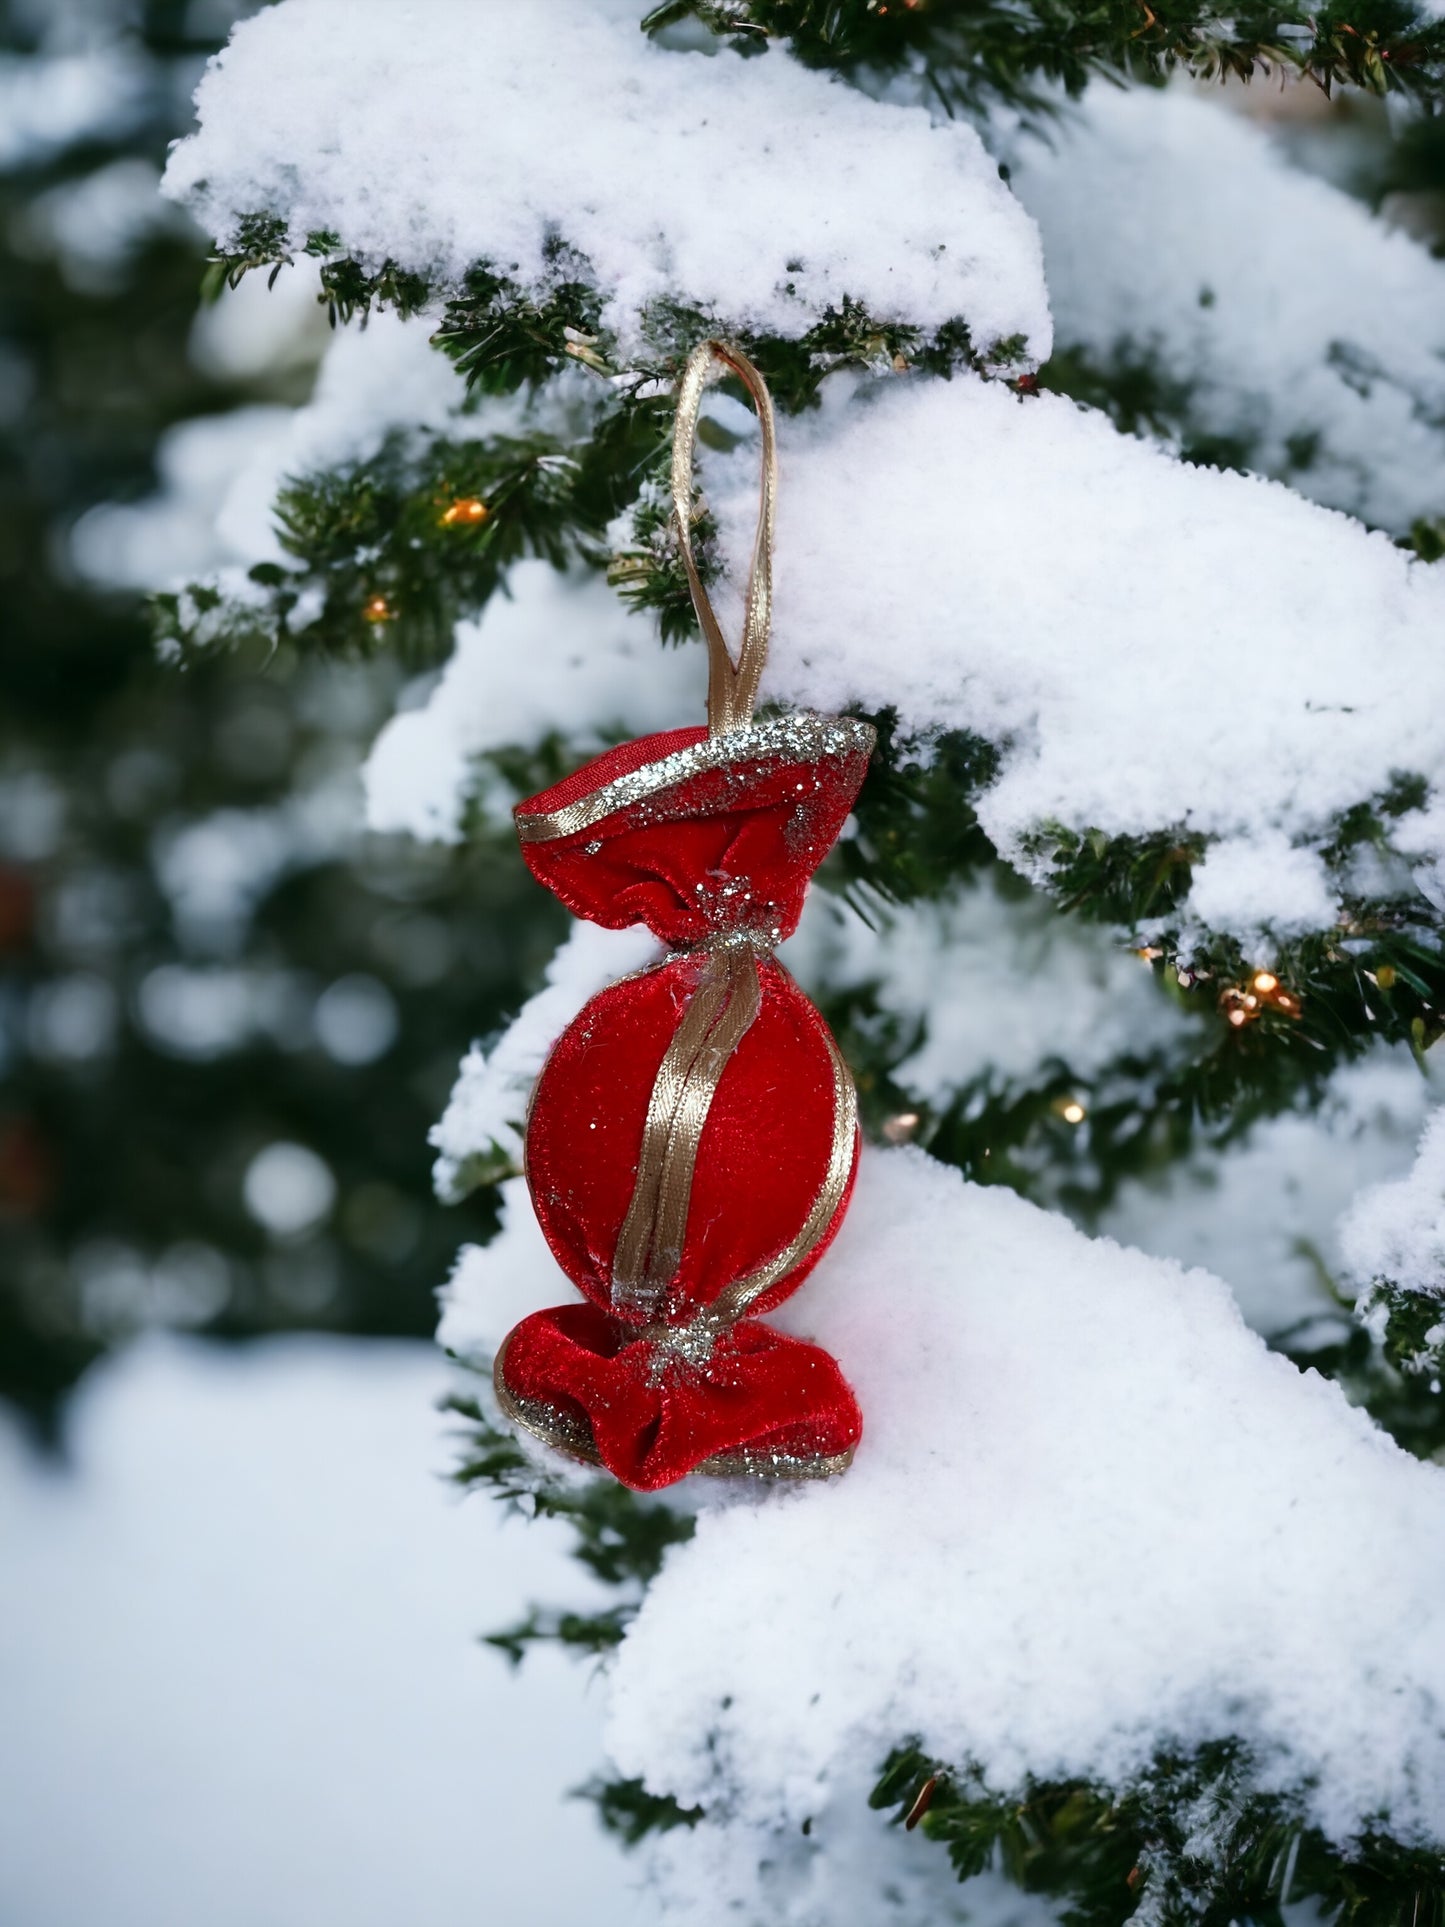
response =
{"points": [[649, 1246], [735, 1299]]}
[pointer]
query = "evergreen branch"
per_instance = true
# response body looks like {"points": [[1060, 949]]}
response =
{"points": [[1411, 1326], [626, 1808], [502, 337], [590, 1633], [1191, 1843], [380, 556], [263, 240], [621, 1538], [977, 53]]}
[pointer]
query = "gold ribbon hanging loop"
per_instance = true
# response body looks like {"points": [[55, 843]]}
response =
{"points": [[727, 997], [732, 687]]}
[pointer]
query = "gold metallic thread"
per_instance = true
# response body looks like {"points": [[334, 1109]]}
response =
{"points": [[649, 1246], [732, 1302], [732, 687]]}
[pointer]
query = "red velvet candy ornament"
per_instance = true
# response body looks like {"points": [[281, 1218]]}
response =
{"points": [[692, 1139]]}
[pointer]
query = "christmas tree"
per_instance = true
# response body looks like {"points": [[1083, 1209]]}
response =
{"points": [[205, 959], [1111, 494]]}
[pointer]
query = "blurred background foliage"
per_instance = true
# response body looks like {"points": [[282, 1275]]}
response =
{"points": [[227, 1015]]}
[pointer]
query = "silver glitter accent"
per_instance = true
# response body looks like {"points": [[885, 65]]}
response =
{"points": [[793, 738]]}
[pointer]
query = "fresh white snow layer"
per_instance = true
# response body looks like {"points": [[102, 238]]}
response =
{"points": [[1396, 1231], [1262, 888], [1152, 644], [487, 1112], [1003, 988], [556, 655], [221, 474], [241, 1671], [1295, 321], [752, 189], [1261, 1212], [1091, 1515]]}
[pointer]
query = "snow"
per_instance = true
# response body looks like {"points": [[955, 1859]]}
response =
{"points": [[50, 101], [216, 869], [220, 474], [1002, 987], [264, 327], [1182, 648], [855, 1868], [1137, 1527], [1396, 1231], [558, 655], [1297, 323], [171, 537], [488, 1107], [242, 1677], [751, 189], [1263, 889], [94, 225], [1262, 1211], [1188, 658]]}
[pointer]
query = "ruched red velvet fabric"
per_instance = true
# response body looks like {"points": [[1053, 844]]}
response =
{"points": [[722, 854]]}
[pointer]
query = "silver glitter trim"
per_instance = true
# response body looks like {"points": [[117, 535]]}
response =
{"points": [[796, 738]]}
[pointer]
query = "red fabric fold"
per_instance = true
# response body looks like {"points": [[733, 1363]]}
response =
{"points": [[654, 1417], [728, 849]]}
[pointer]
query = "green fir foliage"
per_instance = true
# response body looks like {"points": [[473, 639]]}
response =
{"points": [[376, 561], [627, 1809], [1412, 1325], [978, 53], [1193, 1841], [621, 1539], [587, 1633]]}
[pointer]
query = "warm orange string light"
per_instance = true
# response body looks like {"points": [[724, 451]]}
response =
{"points": [[467, 511]]}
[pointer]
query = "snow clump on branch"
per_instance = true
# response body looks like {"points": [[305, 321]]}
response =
{"points": [[1395, 1233], [754, 190], [1320, 356], [1058, 1422], [1155, 648]]}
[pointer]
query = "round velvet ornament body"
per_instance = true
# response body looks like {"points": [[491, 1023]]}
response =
{"points": [[763, 1156]]}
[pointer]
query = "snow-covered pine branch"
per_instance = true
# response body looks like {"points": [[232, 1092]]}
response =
{"points": [[538, 152], [1094, 1523], [1394, 1245], [1246, 309]]}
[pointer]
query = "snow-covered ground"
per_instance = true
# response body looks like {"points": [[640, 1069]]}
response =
{"points": [[239, 1662]]}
